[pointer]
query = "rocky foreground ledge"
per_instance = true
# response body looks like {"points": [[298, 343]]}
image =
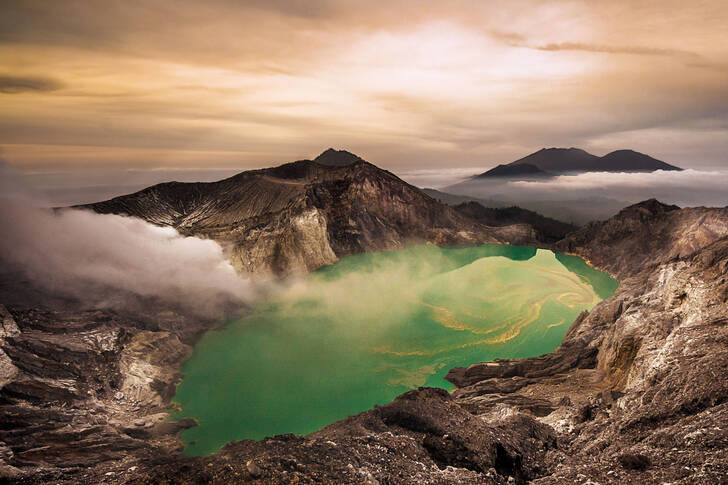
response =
{"points": [[637, 393]]}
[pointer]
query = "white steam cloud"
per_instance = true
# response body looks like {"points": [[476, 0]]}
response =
{"points": [[101, 259]]}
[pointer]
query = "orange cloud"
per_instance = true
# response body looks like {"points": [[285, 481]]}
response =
{"points": [[235, 85]]}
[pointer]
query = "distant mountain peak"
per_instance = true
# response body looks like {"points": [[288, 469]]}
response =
{"points": [[652, 206], [518, 170], [337, 158], [554, 161], [562, 149], [624, 150], [632, 161], [545, 162]]}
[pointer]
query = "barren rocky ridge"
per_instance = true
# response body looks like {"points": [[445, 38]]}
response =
{"points": [[306, 214]]}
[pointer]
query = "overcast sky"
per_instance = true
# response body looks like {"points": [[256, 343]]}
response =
{"points": [[99, 87]]}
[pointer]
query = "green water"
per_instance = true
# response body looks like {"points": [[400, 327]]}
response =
{"points": [[373, 326]]}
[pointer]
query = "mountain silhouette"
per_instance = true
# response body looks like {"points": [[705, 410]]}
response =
{"points": [[555, 161]]}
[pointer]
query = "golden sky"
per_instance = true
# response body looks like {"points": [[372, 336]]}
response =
{"points": [[223, 84]]}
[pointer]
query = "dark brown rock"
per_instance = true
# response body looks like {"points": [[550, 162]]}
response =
{"points": [[634, 461]]}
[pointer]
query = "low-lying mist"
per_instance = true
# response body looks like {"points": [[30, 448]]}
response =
{"points": [[582, 197], [686, 188]]}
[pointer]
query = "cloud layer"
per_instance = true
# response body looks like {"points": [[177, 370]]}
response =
{"points": [[597, 195], [410, 85], [12, 85], [686, 188]]}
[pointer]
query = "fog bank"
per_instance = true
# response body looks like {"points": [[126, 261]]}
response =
{"points": [[686, 188], [598, 195]]}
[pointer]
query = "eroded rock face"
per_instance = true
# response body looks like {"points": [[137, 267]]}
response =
{"points": [[644, 234], [637, 392], [8, 328], [80, 388]]}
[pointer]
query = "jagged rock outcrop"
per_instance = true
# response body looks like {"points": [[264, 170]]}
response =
{"points": [[303, 215], [645, 234], [79, 388]]}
